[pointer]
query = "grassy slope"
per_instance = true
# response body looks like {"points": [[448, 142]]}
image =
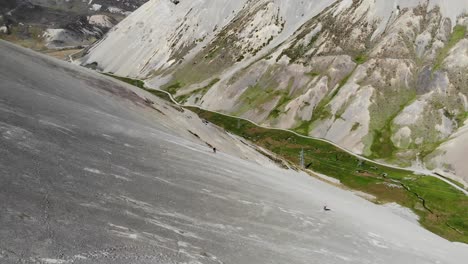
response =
{"points": [[442, 209]]}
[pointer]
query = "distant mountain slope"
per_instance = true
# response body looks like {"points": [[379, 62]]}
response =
{"points": [[387, 79], [51, 24]]}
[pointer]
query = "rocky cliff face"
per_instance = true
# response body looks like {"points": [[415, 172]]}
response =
{"points": [[386, 79]]}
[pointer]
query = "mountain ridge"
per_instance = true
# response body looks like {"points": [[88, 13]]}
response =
{"points": [[382, 78]]}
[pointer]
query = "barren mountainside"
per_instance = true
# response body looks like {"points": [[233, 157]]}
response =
{"points": [[386, 79]]}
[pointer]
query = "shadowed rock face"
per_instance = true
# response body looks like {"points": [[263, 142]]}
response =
{"points": [[7, 5], [428, 81], [93, 173], [340, 70]]}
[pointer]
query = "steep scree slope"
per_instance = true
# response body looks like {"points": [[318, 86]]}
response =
{"points": [[93, 173]]}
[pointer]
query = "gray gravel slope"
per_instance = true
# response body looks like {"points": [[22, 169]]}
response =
{"points": [[89, 173]]}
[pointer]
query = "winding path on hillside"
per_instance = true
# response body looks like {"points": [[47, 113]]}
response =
{"points": [[412, 170]]}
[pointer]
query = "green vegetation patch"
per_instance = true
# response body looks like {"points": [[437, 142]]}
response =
{"points": [[446, 207], [173, 87], [356, 125], [323, 110], [389, 103], [303, 128], [461, 118], [134, 82], [360, 59], [383, 145], [200, 92], [341, 84], [265, 90], [312, 74], [297, 51], [458, 34], [281, 105]]}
